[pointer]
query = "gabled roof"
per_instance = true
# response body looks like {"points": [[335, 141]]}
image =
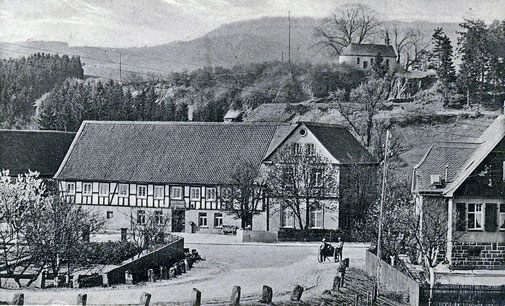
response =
{"points": [[368, 50], [450, 155], [340, 143], [40, 151], [167, 152], [460, 157]]}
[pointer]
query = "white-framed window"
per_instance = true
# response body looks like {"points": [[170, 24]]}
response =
{"points": [[159, 192], [287, 217], [502, 216], [123, 190], [317, 176], [202, 219], [104, 189], [316, 219], [218, 219], [158, 217], [176, 192], [142, 191], [357, 61], [194, 194], [211, 194], [310, 149], [474, 216], [87, 189], [70, 188], [110, 214], [296, 149], [141, 217]]}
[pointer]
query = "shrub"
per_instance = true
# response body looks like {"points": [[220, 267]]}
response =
{"points": [[112, 252]]}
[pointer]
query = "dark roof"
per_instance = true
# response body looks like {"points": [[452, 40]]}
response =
{"points": [[40, 151], [368, 50], [340, 143], [167, 152], [439, 156]]}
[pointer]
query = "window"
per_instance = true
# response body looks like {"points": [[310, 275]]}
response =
{"points": [[202, 219], [211, 194], [87, 189], [371, 61], [123, 190], [365, 64], [387, 61], [287, 217], [142, 191], [70, 188], [195, 194], [158, 217], [357, 61], [176, 192], [317, 176], [141, 217], [158, 192], [104, 189], [310, 149], [218, 220], [110, 214], [474, 216], [296, 149], [316, 219], [502, 216]]}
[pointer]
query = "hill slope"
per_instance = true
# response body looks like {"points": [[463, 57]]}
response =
{"points": [[242, 42]]}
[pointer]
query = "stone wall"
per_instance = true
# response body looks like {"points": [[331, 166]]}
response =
{"points": [[477, 255]]}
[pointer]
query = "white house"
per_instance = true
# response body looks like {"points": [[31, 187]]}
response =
{"points": [[178, 169], [362, 56]]}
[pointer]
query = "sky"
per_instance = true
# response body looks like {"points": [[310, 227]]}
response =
{"points": [[136, 23]]}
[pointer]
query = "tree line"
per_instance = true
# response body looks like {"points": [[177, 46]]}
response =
{"points": [[24, 80]]}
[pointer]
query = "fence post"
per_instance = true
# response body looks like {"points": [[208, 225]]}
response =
{"points": [[266, 296], [196, 297], [145, 299], [296, 295], [336, 283], [42, 279], [235, 295], [105, 280], [19, 299], [82, 299]]}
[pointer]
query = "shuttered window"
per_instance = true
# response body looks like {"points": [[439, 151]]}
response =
{"points": [[460, 217], [491, 213]]}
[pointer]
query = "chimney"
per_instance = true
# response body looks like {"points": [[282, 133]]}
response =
{"points": [[386, 40], [191, 109]]}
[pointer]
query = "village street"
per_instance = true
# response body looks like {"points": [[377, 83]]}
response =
{"points": [[250, 266]]}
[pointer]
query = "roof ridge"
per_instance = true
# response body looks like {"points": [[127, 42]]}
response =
{"points": [[186, 123], [322, 124], [35, 131]]}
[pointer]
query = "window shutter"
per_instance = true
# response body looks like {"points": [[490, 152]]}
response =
{"points": [[491, 217], [460, 217]]}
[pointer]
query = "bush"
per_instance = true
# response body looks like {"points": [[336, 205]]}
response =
{"points": [[107, 253]]}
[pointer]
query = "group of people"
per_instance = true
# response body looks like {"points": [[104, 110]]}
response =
{"points": [[343, 264], [338, 248]]}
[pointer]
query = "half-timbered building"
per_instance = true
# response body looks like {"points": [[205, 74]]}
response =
{"points": [[468, 180], [179, 169]]}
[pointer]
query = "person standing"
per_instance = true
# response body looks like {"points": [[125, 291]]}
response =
{"points": [[339, 248]]}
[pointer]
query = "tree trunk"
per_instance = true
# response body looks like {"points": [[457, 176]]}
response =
{"points": [[307, 213]]}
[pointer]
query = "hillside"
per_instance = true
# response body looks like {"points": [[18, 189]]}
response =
{"points": [[242, 42]]}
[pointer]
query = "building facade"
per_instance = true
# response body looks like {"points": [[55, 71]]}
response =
{"points": [[181, 171], [468, 179], [363, 56]]}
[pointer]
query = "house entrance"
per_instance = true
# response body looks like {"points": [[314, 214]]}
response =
{"points": [[178, 220]]}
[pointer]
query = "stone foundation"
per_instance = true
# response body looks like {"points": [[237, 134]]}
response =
{"points": [[478, 256]]}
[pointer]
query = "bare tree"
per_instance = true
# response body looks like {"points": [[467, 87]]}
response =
{"points": [[301, 181], [365, 102], [416, 52], [351, 23], [244, 197], [148, 227]]}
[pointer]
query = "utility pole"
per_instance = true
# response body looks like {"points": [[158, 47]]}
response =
{"points": [[381, 211], [120, 67], [289, 36]]}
